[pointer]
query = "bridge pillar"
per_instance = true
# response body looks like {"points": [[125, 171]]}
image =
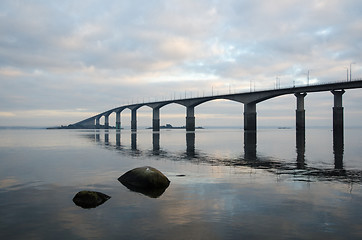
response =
{"points": [[338, 112], [338, 129], [190, 144], [338, 149], [250, 116], [106, 122], [156, 143], [97, 123], [156, 120], [250, 140], [118, 120], [106, 137], [190, 118], [300, 112], [134, 141], [134, 119], [118, 138], [300, 147]]}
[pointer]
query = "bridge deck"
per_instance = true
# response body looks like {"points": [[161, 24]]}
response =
{"points": [[251, 97]]}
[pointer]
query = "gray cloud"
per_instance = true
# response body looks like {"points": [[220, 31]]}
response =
{"points": [[93, 55]]}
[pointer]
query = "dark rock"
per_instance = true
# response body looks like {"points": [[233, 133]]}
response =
{"points": [[146, 180], [90, 199]]}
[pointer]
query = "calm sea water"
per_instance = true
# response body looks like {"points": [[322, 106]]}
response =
{"points": [[225, 184]]}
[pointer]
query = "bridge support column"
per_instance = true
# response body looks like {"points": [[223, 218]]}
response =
{"points": [[118, 120], [300, 146], [250, 140], [134, 141], [250, 116], [134, 119], [338, 112], [97, 123], [156, 143], [118, 138], [156, 120], [338, 129], [190, 119], [106, 122], [300, 112], [190, 144], [338, 149]]}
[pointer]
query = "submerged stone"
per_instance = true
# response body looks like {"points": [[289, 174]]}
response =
{"points": [[146, 180], [90, 199]]}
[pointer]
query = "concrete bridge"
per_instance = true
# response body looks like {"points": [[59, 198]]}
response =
{"points": [[249, 99]]}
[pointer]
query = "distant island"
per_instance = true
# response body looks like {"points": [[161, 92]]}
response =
{"points": [[284, 127], [169, 126]]}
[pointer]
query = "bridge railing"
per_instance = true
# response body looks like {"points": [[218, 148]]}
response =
{"points": [[214, 95], [303, 85], [181, 96]]}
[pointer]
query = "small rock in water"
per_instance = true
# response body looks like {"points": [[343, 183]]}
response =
{"points": [[90, 199], [146, 180]]}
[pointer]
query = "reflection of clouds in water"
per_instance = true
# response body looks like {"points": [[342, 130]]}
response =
{"points": [[79, 225], [36, 138], [218, 198], [46, 212], [8, 182], [202, 207], [281, 207]]}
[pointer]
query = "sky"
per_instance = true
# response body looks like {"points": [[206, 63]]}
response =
{"points": [[64, 61]]}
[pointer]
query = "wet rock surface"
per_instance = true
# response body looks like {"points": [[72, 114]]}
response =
{"points": [[90, 199], [146, 180]]}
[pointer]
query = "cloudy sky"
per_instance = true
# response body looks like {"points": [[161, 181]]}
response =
{"points": [[63, 61]]}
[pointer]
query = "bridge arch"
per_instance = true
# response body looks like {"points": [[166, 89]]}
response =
{"points": [[168, 113], [281, 107], [143, 116], [213, 112]]}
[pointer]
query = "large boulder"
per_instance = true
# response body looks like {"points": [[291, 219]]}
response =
{"points": [[146, 180], [90, 199]]}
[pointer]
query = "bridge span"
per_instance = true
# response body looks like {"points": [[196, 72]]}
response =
{"points": [[249, 99]]}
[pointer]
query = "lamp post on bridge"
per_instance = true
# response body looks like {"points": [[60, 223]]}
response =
{"points": [[350, 71], [308, 79], [347, 73], [277, 82]]}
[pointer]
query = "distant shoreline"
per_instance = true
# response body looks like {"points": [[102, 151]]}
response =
{"points": [[71, 126], [161, 127], [169, 126]]}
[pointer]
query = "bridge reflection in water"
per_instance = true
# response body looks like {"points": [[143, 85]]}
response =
{"points": [[250, 158]]}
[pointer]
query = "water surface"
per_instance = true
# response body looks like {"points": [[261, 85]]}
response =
{"points": [[225, 184]]}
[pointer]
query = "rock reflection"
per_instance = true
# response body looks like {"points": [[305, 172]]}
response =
{"points": [[151, 192]]}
